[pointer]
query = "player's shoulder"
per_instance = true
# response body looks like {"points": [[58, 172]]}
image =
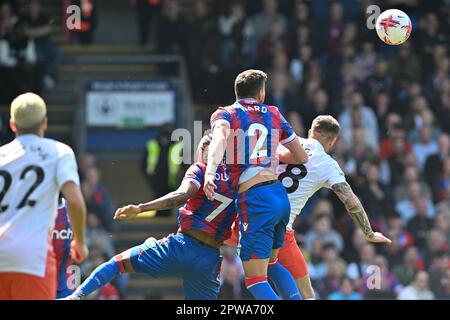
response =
{"points": [[272, 108], [61, 148]]}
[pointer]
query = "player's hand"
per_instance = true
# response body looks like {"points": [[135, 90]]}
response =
{"points": [[78, 251], [209, 186], [127, 212], [377, 237]]}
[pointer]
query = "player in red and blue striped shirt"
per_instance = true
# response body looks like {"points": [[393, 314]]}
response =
{"points": [[192, 253], [62, 236], [246, 135]]}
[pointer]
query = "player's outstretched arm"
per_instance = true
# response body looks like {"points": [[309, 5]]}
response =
{"points": [[357, 212], [76, 208], [216, 151], [171, 200], [296, 154]]}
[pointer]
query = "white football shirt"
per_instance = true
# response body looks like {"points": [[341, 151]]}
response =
{"points": [[32, 172], [303, 180]]}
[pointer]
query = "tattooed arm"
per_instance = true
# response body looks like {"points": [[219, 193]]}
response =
{"points": [[357, 212], [171, 200]]}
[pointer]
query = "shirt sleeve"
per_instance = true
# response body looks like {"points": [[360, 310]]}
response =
{"points": [[195, 174], [334, 174], [221, 115], [66, 170], [287, 134]]}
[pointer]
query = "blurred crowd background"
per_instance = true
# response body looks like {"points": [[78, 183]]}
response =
{"points": [[393, 104]]}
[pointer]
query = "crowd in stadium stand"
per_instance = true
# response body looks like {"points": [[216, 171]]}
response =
{"points": [[28, 58], [100, 208]]}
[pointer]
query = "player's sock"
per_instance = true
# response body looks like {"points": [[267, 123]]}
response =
{"points": [[260, 288], [283, 281], [101, 276]]}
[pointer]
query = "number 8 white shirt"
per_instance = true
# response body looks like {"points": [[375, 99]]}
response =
{"points": [[302, 181]]}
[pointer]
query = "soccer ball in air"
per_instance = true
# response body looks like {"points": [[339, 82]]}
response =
{"points": [[393, 27]]}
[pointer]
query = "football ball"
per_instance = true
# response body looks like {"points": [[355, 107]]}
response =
{"points": [[393, 27]]}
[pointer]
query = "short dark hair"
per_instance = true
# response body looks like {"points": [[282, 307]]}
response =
{"points": [[326, 125], [249, 83]]}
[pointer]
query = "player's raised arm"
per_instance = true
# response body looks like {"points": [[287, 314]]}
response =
{"points": [[295, 153], [221, 131], [171, 200], [357, 212], [76, 209]]}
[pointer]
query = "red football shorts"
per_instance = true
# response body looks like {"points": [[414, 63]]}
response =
{"points": [[22, 286], [291, 257]]}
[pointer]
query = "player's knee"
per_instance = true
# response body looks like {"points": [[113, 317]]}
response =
{"points": [[123, 261], [252, 281]]}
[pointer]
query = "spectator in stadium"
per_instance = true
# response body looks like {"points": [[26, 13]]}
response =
{"points": [[275, 41], [420, 224], [335, 27], [406, 207], [231, 277], [263, 20], [442, 104], [443, 290], [376, 196], [360, 150], [39, 28], [238, 37], [438, 270], [323, 231], [18, 60], [405, 66], [442, 224], [148, 12], [418, 289], [160, 166], [98, 199], [380, 81], [366, 60], [89, 21], [412, 263], [444, 205], [302, 56], [319, 105], [172, 29], [346, 291], [382, 108], [204, 64], [97, 237], [435, 243], [411, 174], [331, 282], [434, 165], [366, 257], [280, 96], [329, 254], [368, 121], [393, 131], [425, 147], [388, 284], [8, 19]]}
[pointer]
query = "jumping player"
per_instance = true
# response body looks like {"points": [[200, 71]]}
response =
{"points": [[62, 236], [33, 171], [191, 254], [247, 133], [303, 180]]}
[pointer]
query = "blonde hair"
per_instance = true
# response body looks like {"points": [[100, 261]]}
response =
{"points": [[28, 110]]}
